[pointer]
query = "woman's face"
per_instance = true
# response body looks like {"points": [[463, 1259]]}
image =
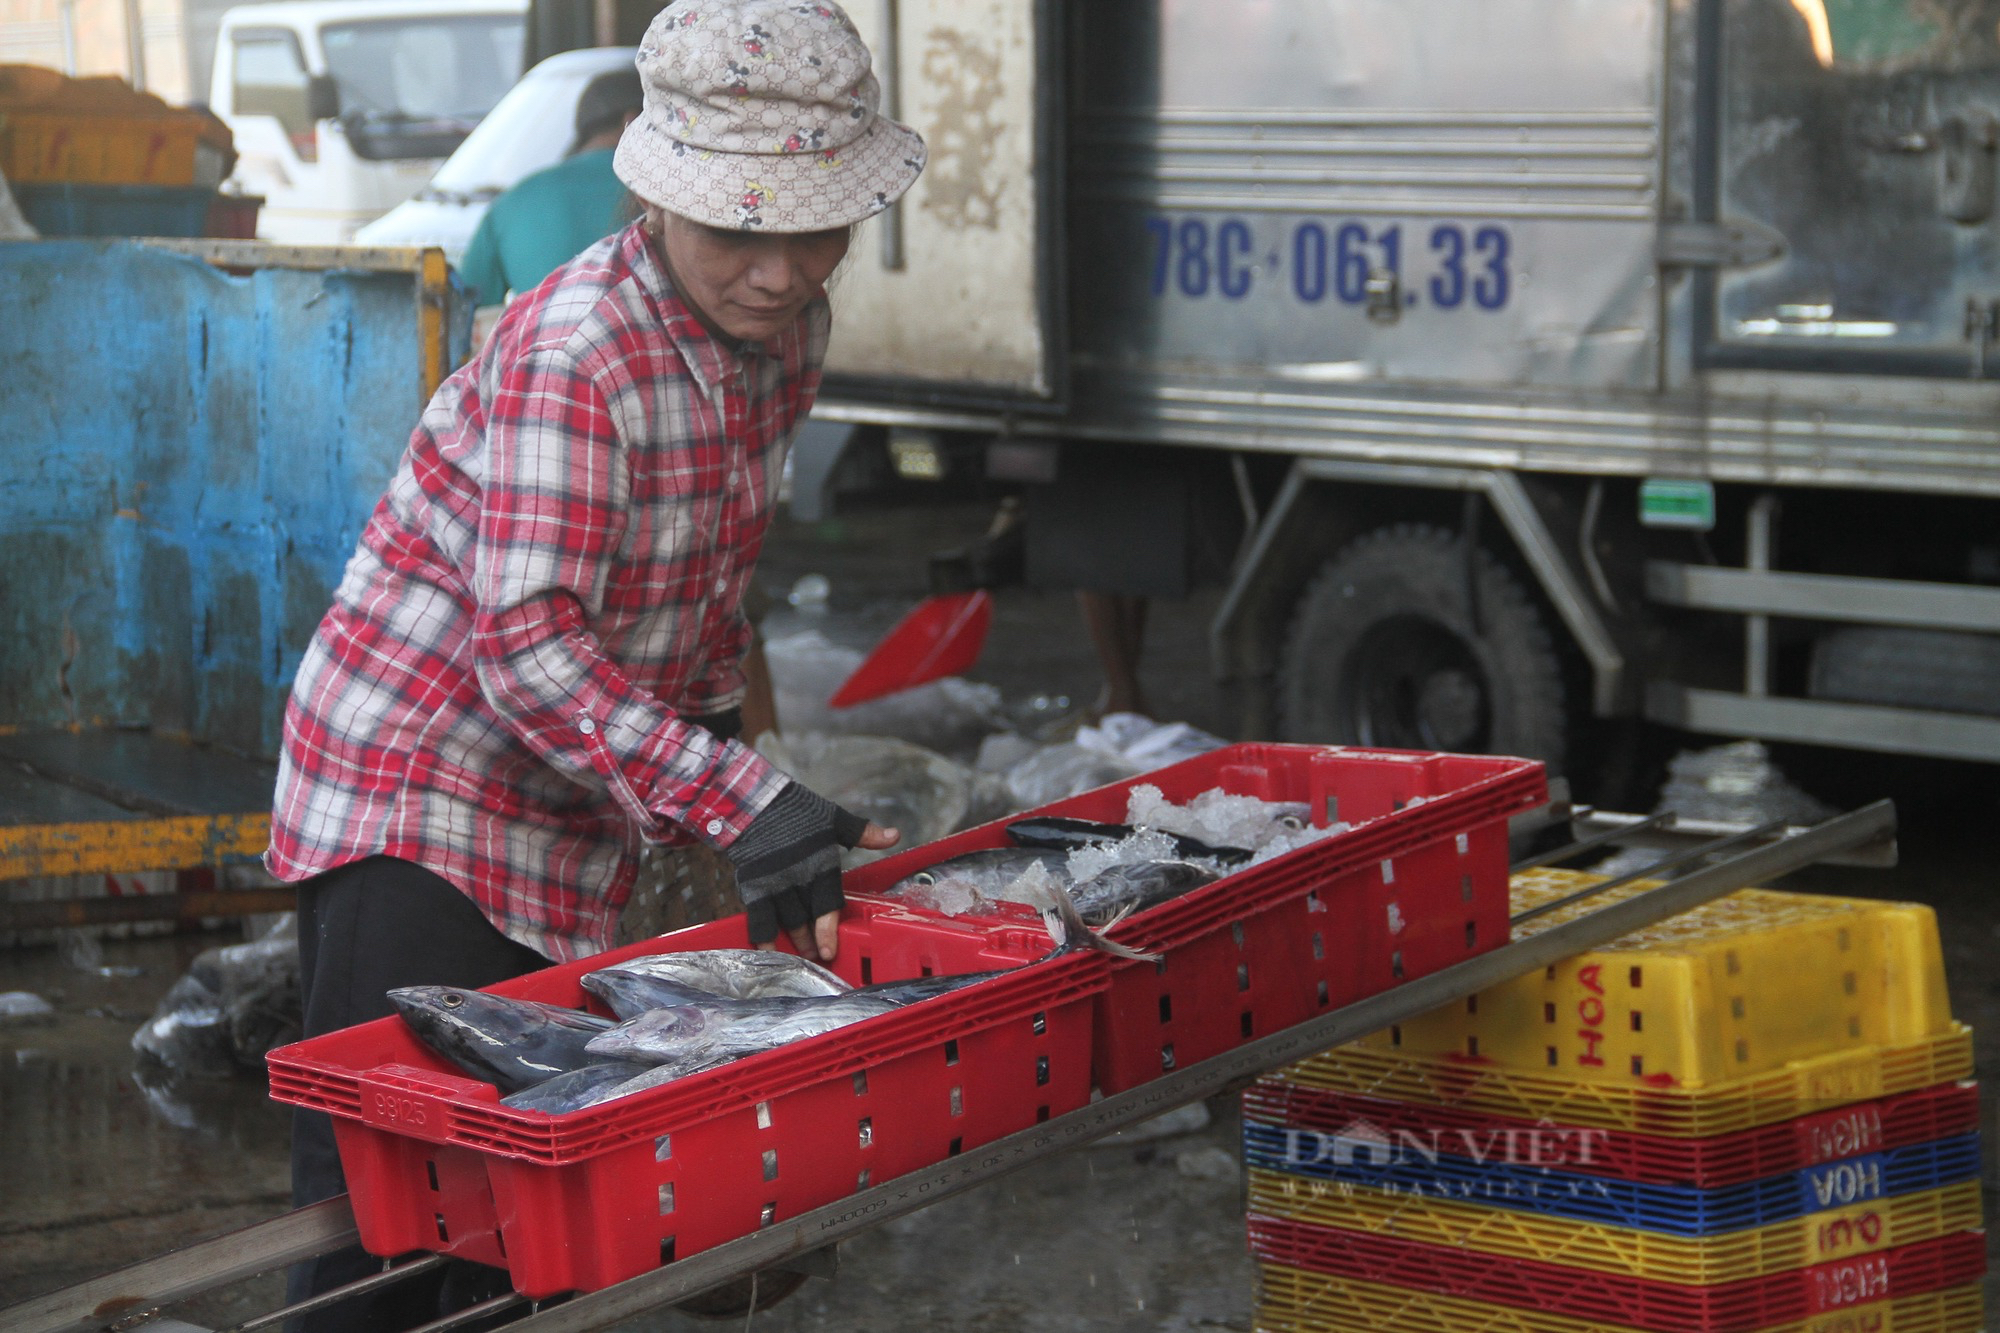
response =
{"points": [[749, 285]]}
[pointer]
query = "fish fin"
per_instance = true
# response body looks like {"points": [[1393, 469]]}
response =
{"points": [[1068, 929]]}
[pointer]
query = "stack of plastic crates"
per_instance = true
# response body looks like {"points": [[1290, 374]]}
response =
{"points": [[1755, 1116]]}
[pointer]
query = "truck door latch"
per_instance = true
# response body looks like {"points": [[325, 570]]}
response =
{"points": [[1717, 244], [1384, 296]]}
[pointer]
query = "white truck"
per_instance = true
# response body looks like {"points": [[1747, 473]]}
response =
{"points": [[1583, 367], [342, 109]]}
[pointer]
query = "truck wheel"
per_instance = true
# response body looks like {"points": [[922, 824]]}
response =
{"points": [[1387, 650]]}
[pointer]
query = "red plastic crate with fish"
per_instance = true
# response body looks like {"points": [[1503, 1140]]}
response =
{"points": [[1417, 883], [579, 1201]]}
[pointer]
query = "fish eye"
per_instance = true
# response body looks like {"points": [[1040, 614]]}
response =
{"points": [[925, 878], [1292, 822], [452, 999]]}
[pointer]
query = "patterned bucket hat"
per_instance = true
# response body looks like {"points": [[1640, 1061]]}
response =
{"points": [[761, 115]]}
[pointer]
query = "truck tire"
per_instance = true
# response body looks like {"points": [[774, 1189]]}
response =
{"points": [[1387, 650]]}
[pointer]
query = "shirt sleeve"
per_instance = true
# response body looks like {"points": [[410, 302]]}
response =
{"points": [[481, 266], [553, 513], [722, 685]]}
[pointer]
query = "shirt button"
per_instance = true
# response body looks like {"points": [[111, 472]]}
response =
{"points": [[735, 478], [721, 584], [714, 827], [587, 727]]}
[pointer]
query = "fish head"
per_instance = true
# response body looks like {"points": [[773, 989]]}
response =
{"points": [[630, 993], [655, 1035], [456, 1021]]}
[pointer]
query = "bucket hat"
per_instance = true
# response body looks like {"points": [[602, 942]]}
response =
{"points": [[762, 115]]}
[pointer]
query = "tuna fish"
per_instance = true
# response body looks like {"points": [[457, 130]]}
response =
{"points": [[576, 1089], [739, 974], [1058, 833], [1134, 886], [510, 1043]]}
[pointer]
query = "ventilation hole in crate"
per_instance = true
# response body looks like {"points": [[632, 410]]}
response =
{"points": [[1847, 982], [432, 1168], [663, 1147], [1551, 973], [1388, 872], [1245, 1024], [867, 971], [1854, 1025], [1636, 977], [1312, 901], [1465, 888], [1552, 1054], [1464, 843], [1638, 1021], [770, 1163], [1166, 1008], [928, 971], [1041, 1114], [769, 1215], [865, 1130], [1243, 976], [1638, 1066], [1041, 1022], [1319, 946], [1472, 934], [1167, 1056], [1041, 1071], [1548, 1013], [1396, 965], [1395, 1036], [500, 1243], [1742, 1050], [1729, 963], [666, 1198], [763, 1115], [1397, 803], [1160, 967], [1472, 1004], [1325, 996], [957, 1100], [951, 1051], [1236, 932], [666, 1249], [1736, 1007], [861, 1083], [1472, 1046], [957, 1147], [1332, 810], [1840, 937], [861, 1180], [443, 1234]]}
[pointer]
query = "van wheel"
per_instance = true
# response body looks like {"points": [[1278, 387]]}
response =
{"points": [[1387, 649]]}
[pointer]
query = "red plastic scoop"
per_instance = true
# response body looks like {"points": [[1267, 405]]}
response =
{"points": [[941, 636]]}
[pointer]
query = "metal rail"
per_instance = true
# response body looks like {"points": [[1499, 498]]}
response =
{"points": [[158, 1282]]}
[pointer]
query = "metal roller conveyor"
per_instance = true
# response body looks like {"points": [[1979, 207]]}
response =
{"points": [[1738, 858]]}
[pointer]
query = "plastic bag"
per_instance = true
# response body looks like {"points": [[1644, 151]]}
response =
{"points": [[233, 1006], [950, 716]]}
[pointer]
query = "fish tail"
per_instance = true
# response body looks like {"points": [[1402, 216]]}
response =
{"points": [[1070, 931]]}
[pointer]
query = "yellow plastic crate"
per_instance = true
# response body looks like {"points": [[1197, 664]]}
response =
{"points": [[1745, 984], [1797, 1089], [1759, 1252], [1293, 1301]]}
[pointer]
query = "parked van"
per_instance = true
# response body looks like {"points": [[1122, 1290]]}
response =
{"points": [[532, 127], [342, 109]]}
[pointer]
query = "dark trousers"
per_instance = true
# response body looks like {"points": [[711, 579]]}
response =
{"points": [[365, 928]]}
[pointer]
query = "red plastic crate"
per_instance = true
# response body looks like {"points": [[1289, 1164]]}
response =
{"points": [[580, 1201], [1727, 1307], [1945, 1111], [1418, 884]]}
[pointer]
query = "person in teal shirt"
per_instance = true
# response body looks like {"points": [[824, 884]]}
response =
{"points": [[549, 218]]}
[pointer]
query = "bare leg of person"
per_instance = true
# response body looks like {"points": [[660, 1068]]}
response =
{"points": [[1117, 625]]}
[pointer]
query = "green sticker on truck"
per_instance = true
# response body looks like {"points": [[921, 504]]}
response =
{"points": [[1668, 502]]}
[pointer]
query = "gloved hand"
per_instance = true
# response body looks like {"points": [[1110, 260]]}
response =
{"points": [[788, 861]]}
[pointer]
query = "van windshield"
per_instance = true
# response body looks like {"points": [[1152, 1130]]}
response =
{"points": [[448, 70]]}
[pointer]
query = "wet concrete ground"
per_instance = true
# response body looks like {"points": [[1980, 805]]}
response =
{"points": [[95, 1172]]}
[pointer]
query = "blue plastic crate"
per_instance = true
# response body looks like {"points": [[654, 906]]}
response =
{"points": [[65, 208], [1681, 1210]]}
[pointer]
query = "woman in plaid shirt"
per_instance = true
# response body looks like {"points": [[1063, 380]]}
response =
{"points": [[532, 666]]}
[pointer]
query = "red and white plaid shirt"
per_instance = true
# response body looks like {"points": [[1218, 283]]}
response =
{"points": [[551, 581]]}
